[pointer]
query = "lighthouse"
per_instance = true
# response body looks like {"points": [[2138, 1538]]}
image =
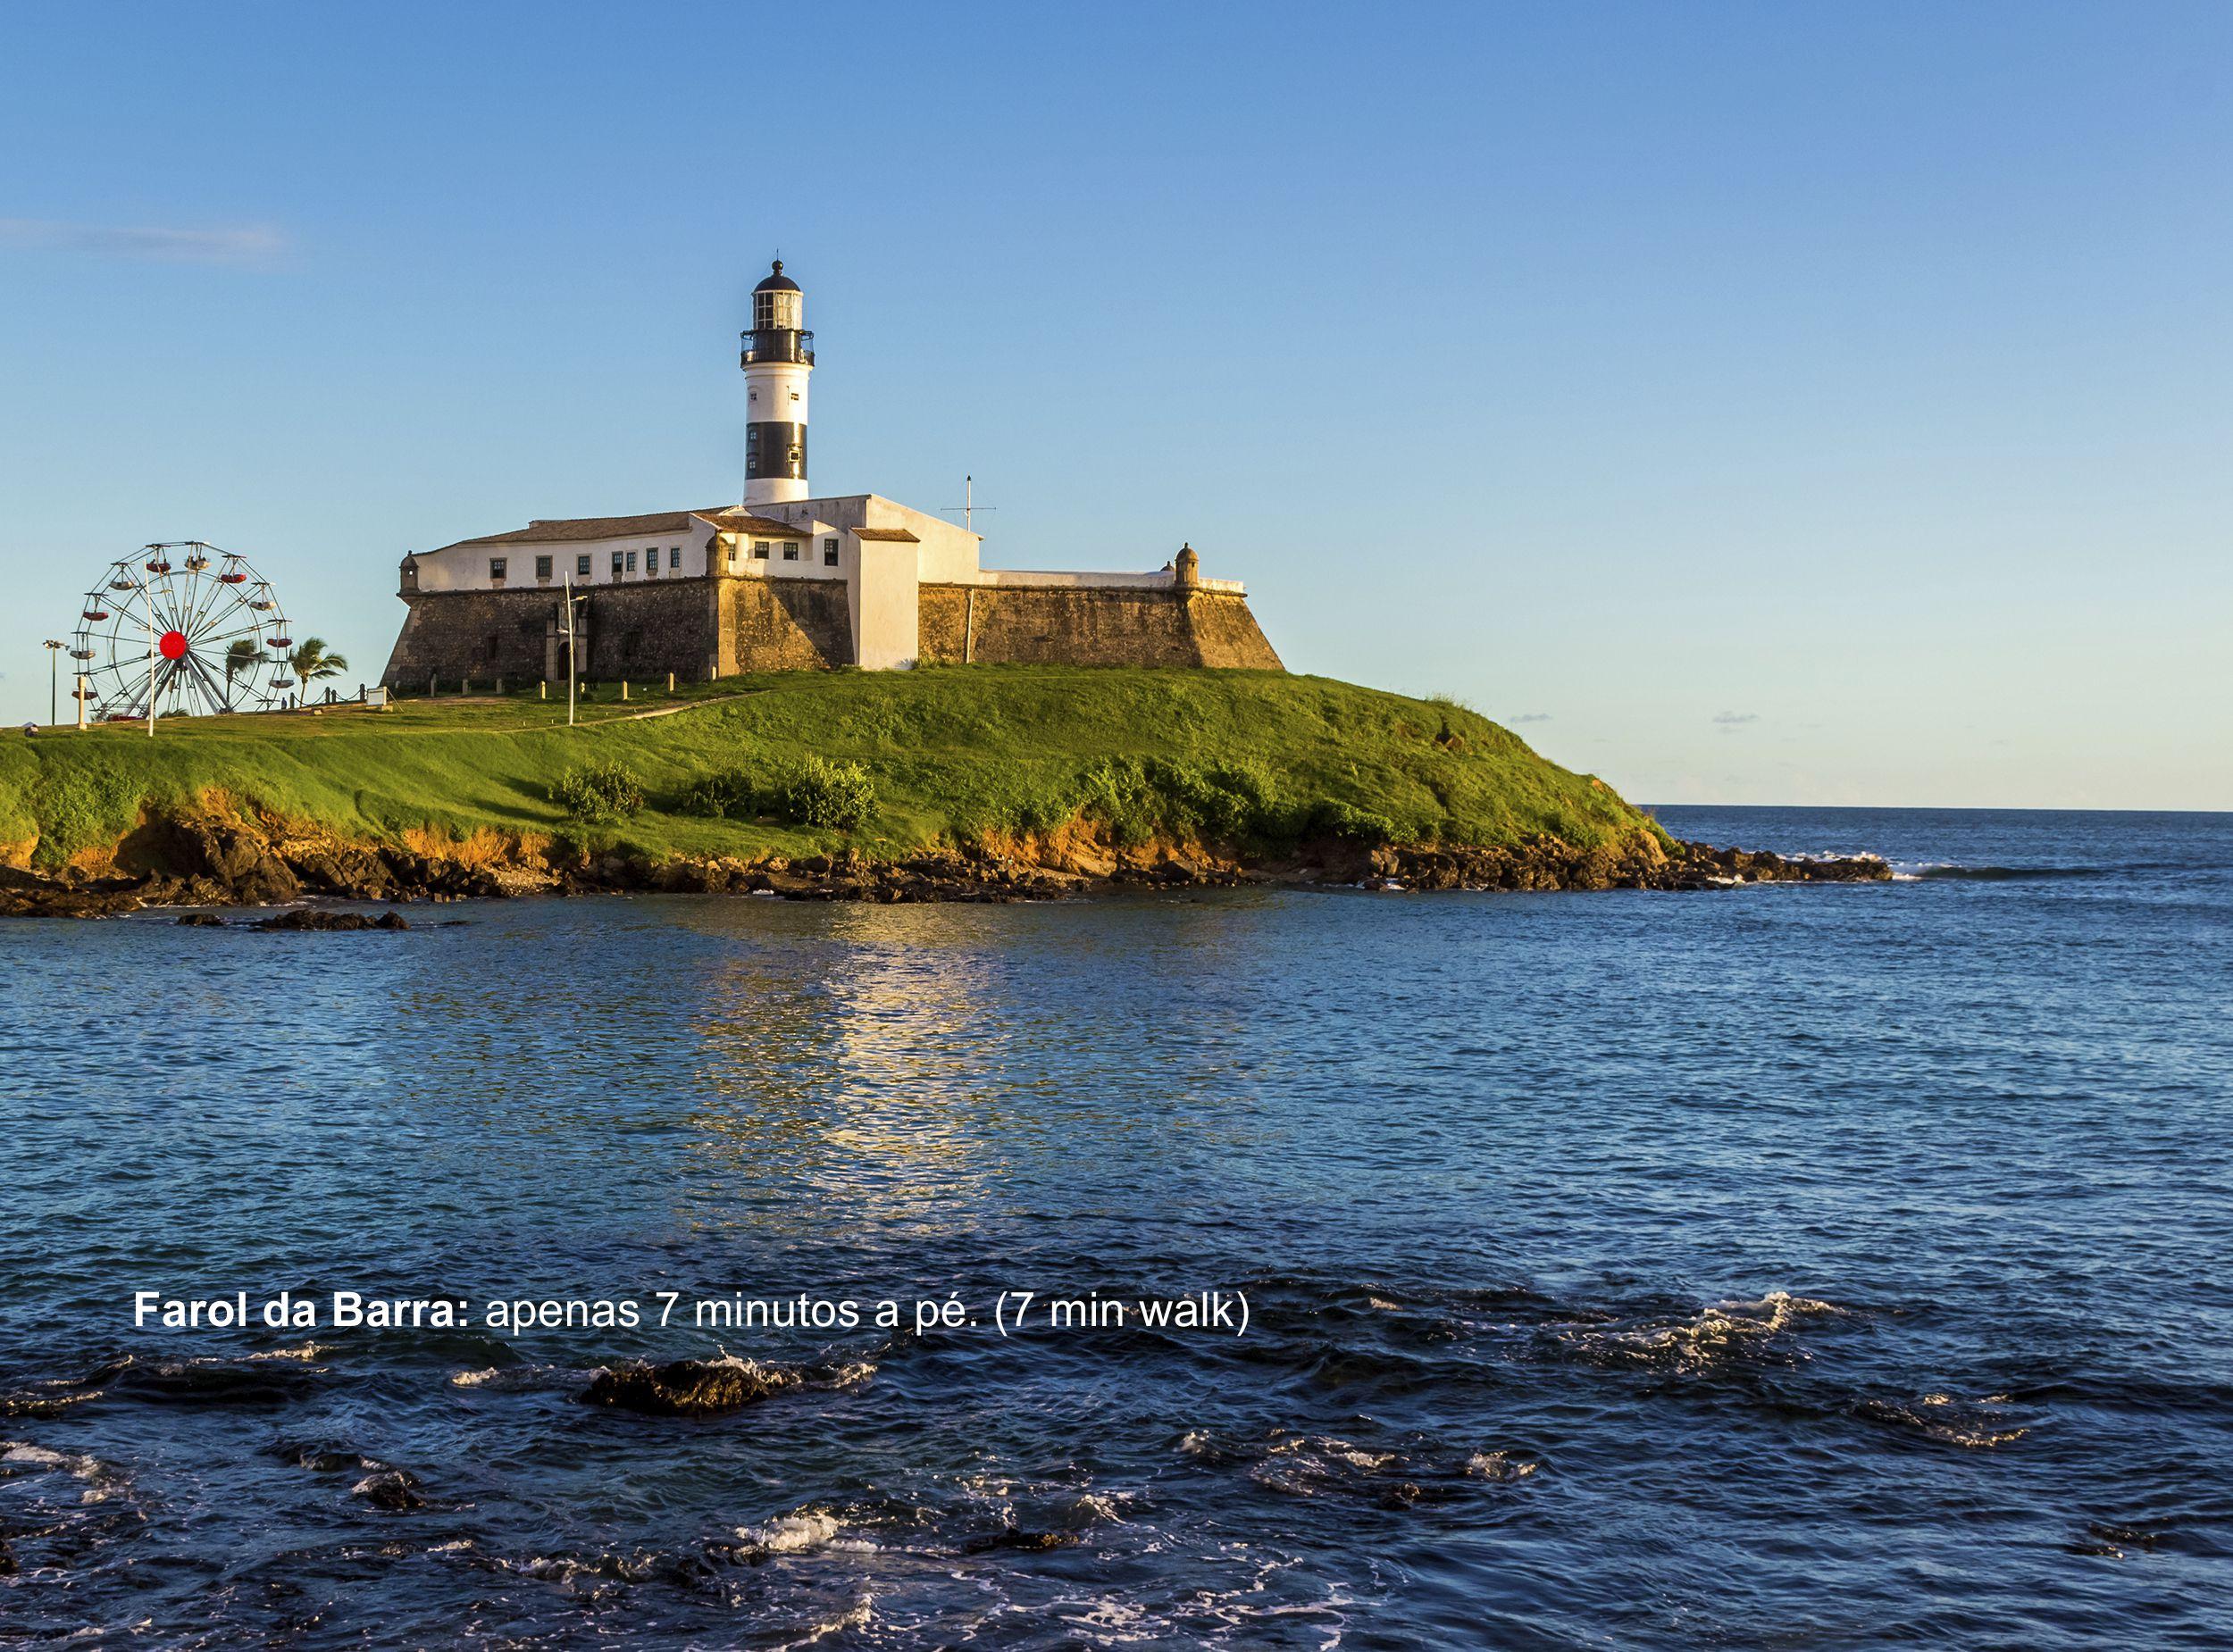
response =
{"points": [[778, 359]]}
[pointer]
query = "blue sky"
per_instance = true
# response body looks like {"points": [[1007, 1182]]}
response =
{"points": [[1750, 403]]}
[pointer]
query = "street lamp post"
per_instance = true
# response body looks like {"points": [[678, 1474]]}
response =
{"points": [[54, 683], [566, 590]]}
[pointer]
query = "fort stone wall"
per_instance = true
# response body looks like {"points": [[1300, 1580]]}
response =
{"points": [[1089, 625], [780, 625], [640, 631], [700, 628]]}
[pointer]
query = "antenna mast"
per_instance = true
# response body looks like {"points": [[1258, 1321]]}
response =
{"points": [[968, 504]]}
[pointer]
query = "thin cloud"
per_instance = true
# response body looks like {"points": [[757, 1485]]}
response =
{"points": [[242, 246], [1533, 717], [1732, 720]]}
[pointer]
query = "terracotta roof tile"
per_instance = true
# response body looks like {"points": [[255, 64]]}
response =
{"points": [[737, 520], [732, 518], [589, 528]]}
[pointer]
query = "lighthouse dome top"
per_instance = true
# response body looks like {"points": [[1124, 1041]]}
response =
{"points": [[776, 281]]}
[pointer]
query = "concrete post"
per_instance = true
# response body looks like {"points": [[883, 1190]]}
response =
{"points": [[499, 685], [432, 683], [542, 690], [623, 687], [670, 682]]}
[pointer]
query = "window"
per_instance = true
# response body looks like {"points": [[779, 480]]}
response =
{"points": [[674, 556], [829, 552], [794, 395], [495, 570], [581, 566], [791, 550], [542, 569], [631, 562], [617, 564], [732, 550], [759, 550], [777, 311], [650, 562]]}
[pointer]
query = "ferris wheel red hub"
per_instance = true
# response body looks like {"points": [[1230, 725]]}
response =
{"points": [[172, 645]]}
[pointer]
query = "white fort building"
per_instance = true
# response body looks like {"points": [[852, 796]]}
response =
{"points": [[787, 579]]}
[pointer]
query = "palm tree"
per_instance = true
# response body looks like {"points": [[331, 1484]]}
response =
{"points": [[310, 662], [244, 655]]}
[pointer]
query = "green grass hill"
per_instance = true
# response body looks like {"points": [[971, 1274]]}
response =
{"points": [[911, 759]]}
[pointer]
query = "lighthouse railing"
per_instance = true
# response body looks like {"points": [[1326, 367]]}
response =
{"points": [[776, 343]]}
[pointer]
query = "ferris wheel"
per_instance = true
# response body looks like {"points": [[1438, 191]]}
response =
{"points": [[193, 628]]}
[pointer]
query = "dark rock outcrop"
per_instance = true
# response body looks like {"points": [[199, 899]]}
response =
{"points": [[302, 918], [394, 1490], [194, 859], [198, 862], [688, 1388]]}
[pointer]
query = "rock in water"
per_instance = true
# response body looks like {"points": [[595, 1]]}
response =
{"points": [[688, 1388], [394, 1490], [310, 918]]}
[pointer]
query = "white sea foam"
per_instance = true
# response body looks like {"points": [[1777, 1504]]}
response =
{"points": [[860, 1615], [1709, 1336], [1102, 1506], [1499, 1465], [1973, 1424], [1332, 1450], [37, 1456], [796, 1533], [40, 1457], [101, 1482]]}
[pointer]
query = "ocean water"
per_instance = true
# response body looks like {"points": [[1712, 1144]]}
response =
{"points": [[1829, 1268]]}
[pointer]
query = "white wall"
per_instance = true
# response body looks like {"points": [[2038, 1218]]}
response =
{"points": [[809, 535], [885, 607], [465, 567]]}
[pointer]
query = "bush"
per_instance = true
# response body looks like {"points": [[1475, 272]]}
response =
{"points": [[598, 791], [721, 796], [1239, 806], [1139, 799], [837, 796], [1346, 820]]}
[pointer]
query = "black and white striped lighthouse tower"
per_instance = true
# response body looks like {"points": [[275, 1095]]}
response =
{"points": [[778, 358]]}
